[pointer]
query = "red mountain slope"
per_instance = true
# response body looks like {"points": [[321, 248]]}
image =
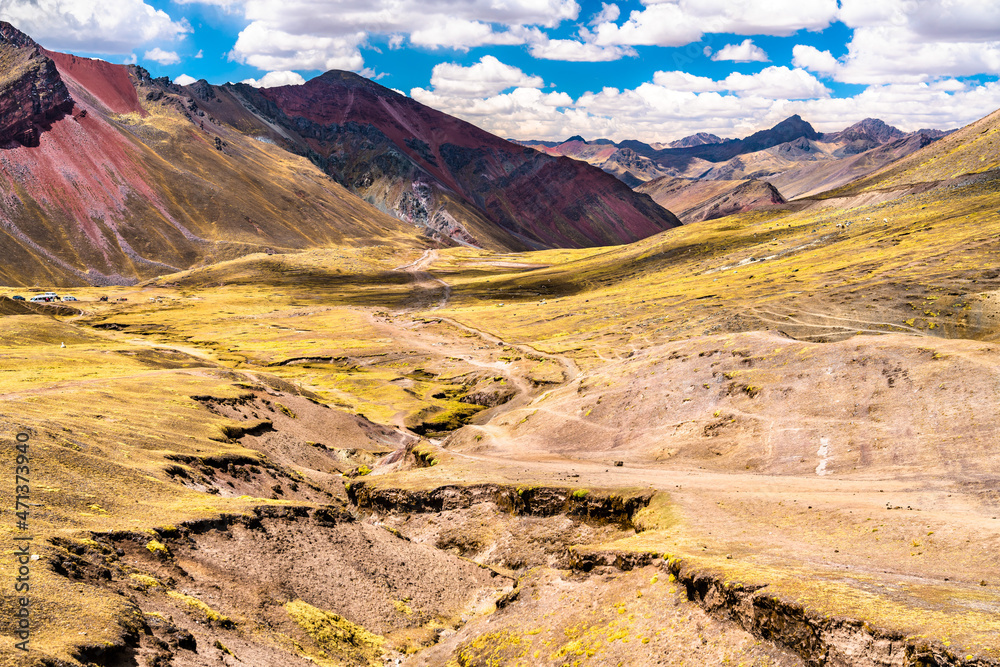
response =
{"points": [[110, 194], [110, 84], [421, 163]]}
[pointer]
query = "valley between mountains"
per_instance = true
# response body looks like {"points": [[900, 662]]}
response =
{"points": [[350, 382]]}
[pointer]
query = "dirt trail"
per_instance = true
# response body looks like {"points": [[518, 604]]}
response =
{"points": [[423, 279], [475, 350], [852, 325]]}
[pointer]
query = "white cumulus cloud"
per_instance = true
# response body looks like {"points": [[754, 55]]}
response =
{"points": [[777, 83], [660, 25], [810, 58], [307, 34], [744, 52], [109, 26], [891, 54], [462, 34], [487, 77], [609, 12], [273, 49], [274, 79], [521, 113], [163, 57], [900, 41], [684, 82], [771, 82], [573, 51], [681, 22]]}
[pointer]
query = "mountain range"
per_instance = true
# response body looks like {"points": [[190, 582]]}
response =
{"points": [[436, 170], [792, 155], [110, 176]]}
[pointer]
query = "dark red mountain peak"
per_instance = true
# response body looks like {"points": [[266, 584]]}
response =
{"points": [[11, 35], [443, 172], [32, 94]]}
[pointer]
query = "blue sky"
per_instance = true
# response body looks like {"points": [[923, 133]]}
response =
{"points": [[653, 70]]}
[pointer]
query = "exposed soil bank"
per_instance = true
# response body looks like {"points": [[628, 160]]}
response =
{"points": [[819, 640], [536, 501]]}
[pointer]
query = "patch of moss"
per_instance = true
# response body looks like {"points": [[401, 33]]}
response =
{"points": [[659, 514], [202, 609], [337, 636], [495, 648], [157, 548], [145, 582], [222, 647]]}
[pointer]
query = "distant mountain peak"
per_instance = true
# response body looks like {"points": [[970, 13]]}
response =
{"points": [[342, 75], [790, 129], [697, 139], [348, 80], [576, 137], [870, 122], [794, 121], [864, 135]]}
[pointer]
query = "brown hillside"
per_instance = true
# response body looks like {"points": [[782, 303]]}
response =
{"points": [[707, 200], [973, 149]]}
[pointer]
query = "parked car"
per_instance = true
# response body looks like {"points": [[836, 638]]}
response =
{"points": [[69, 298], [17, 297], [40, 298]]}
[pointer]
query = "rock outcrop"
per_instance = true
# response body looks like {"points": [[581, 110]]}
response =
{"points": [[32, 94]]}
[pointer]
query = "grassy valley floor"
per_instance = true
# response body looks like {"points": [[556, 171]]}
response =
{"points": [[765, 439]]}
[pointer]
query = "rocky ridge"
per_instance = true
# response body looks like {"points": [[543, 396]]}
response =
{"points": [[32, 94]]}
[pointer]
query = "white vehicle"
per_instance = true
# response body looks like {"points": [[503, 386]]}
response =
{"points": [[70, 298]]}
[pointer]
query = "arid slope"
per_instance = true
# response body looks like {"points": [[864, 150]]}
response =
{"points": [[708, 200]]}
